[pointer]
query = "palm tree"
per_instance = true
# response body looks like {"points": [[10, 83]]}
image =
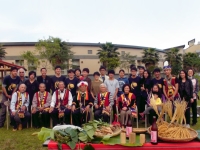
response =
{"points": [[2, 52], [127, 60], [191, 60], [175, 60], [150, 57], [108, 55]]}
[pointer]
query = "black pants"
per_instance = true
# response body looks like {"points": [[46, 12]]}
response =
{"points": [[142, 103], [79, 118], [3, 111], [41, 120], [98, 115], [56, 120], [187, 113], [152, 113], [194, 111]]}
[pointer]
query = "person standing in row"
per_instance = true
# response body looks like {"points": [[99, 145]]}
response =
{"points": [[95, 85], [103, 75], [85, 73], [32, 87], [122, 81], [170, 86], [78, 74], [135, 83], [56, 79], [186, 93], [195, 96], [9, 86], [44, 79], [141, 71], [71, 82], [21, 74], [112, 86], [157, 80]]}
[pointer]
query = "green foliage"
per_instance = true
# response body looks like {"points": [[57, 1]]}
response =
{"points": [[109, 56], [150, 57], [32, 61], [127, 60], [2, 52], [56, 51], [191, 60], [45, 133], [175, 60]]}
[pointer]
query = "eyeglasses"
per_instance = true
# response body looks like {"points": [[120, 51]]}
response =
{"points": [[21, 72]]}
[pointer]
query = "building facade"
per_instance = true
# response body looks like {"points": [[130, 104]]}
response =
{"points": [[85, 55]]}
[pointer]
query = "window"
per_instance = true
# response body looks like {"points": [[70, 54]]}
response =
{"points": [[75, 63], [89, 51], [122, 52], [19, 62], [64, 72]]}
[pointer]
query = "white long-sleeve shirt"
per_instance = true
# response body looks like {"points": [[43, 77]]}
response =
{"points": [[53, 100], [14, 100]]}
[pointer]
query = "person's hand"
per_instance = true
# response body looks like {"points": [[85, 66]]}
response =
{"points": [[96, 106], [194, 94], [68, 107], [34, 110], [41, 108], [73, 107], [8, 96], [142, 88], [191, 100], [87, 108], [108, 108], [172, 98], [13, 113], [124, 108], [114, 98], [51, 109], [23, 108]]}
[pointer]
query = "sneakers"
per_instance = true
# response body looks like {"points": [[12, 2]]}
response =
{"points": [[14, 129], [187, 125], [20, 127]]}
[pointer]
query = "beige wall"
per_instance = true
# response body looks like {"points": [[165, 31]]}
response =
{"points": [[86, 60], [193, 49]]}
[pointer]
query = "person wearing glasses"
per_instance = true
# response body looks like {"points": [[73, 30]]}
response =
{"points": [[21, 74]]}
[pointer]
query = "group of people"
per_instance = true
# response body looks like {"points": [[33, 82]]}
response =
{"points": [[72, 100]]}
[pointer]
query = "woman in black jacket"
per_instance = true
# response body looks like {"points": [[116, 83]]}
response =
{"points": [[186, 92], [145, 88]]}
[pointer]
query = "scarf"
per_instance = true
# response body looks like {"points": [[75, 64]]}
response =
{"points": [[42, 101], [19, 100]]}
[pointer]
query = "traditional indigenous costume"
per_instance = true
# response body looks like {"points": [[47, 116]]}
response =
{"points": [[103, 100], [81, 101], [61, 100], [41, 100], [21, 116], [169, 83], [128, 101]]}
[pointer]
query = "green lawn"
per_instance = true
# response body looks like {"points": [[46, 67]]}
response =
{"points": [[23, 140]]}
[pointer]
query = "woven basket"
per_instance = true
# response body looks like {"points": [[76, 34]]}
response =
{"points": [[193, 133], [139, 130], [115, 133]]}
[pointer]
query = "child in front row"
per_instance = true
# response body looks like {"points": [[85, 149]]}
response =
{"points": [[156, 99]]}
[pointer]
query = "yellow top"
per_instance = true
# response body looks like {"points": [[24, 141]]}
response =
{"points": [[156, 101]]}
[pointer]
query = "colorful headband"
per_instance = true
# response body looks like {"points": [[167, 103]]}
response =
{"points": [[82, 83]]}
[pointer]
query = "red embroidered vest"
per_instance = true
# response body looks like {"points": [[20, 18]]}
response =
{"points": [[105, 100], [45, 98], [170, 89], [26, 98], [65, 98]]}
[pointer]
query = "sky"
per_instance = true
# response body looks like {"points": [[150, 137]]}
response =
{"points": [[152, 23]]}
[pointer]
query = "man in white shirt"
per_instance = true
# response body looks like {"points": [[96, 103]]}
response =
{"points": [[60, 108], [103, 75], [18, 107]]}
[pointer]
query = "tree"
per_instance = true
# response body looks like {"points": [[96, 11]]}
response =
{"points": [[109, 56], [32, 61], [56, 51], [175, 60], [150, 57], [127, 60], [191, 60], [2, 52]]}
